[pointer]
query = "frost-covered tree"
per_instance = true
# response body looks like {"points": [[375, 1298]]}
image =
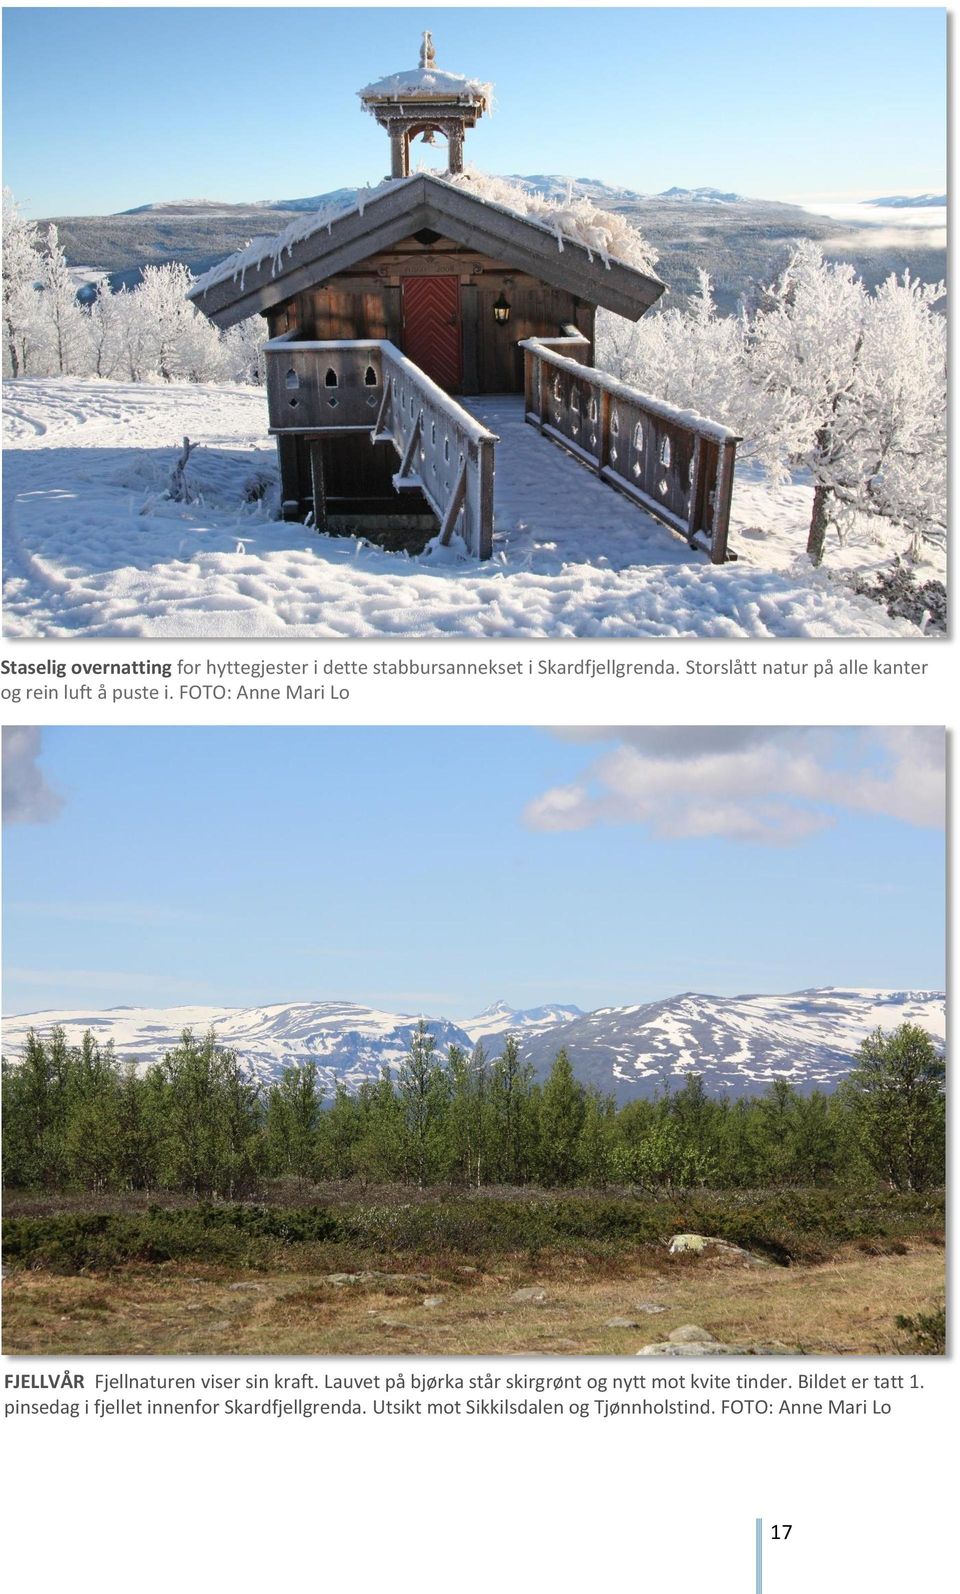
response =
{"points": [[804, 347], [241, 350], [893, 430], [105, 329], [691, 357], [21, 270], [135, 341], [824, 376], [164, 313], [62, 319], [852, 386], [167, 336]]}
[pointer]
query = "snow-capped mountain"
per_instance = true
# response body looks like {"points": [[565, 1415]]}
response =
{"points": [[738, 1043], [703, 196], [336, 196], [346, 1040], [501, 1019], [557, 188], [910, 201], [190, 207]]}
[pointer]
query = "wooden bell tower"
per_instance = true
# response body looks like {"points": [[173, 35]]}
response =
{"points": [[424, 102]]}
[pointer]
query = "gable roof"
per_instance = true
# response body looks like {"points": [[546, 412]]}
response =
{"points": [[271, 271]]}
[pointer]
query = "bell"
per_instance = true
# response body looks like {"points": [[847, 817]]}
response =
{"points": [[428, 136]]}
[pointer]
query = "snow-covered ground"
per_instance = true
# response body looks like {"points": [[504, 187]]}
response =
{"points": [[92, 547]]}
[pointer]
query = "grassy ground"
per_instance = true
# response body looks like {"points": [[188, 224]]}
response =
{"points": [[845, 1306], [436, 1273]]}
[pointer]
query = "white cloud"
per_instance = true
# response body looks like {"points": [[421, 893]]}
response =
{"points": [[27, 798], [772, 786]]}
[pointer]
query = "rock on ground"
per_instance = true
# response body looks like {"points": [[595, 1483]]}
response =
{"points": [[703, 1244], [688, 1340], [703, 1348]]}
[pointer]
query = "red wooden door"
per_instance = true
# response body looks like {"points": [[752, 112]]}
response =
{"points": [[431, 328]]}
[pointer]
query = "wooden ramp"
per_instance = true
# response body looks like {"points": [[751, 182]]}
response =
{"points": [[546, 498]]}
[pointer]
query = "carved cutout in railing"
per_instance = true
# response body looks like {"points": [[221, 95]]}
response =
{"points": [[322, 387], [677, 465], [370, 386], [443, 450]]}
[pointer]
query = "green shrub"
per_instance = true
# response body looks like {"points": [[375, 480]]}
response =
{"points": [[784, 1226], [72, 1242], [927, 1332]]}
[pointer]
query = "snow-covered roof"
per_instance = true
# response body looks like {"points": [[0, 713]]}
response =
{"points": [[273, 246], [430, 83], [577, 218], [603, 244]]}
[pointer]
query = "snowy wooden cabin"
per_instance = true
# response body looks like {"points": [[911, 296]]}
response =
{"points": [[429, 289]]}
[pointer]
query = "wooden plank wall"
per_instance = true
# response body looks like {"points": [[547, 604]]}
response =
{"points": [[354, 472], [366, 303]]}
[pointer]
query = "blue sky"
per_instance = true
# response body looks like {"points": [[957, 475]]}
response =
{"points": [[438, 869], [105, 108]]}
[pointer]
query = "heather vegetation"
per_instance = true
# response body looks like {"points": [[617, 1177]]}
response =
{"points": [[337, 1229]]}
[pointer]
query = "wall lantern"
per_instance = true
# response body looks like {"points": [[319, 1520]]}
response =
{"points": [[501, 310]]}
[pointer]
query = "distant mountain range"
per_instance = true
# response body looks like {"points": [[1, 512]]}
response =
{"points": [[910, 201], [739, 1043], [552, 187], [500, 1019], [610, 196], [741, 242]]}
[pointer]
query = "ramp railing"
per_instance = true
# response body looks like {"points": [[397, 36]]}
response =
{"points": [[368, 385], [674, 463]]}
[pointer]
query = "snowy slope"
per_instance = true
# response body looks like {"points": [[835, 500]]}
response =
{"points": [[501, 1019], [910, 202], [92, 547], [194, 207], [706, 196], [738, 1043], [558, 187], [346, 1041]]}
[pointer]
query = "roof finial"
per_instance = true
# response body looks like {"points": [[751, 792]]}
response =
{"points": [[424, 102], [428, 55]]}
